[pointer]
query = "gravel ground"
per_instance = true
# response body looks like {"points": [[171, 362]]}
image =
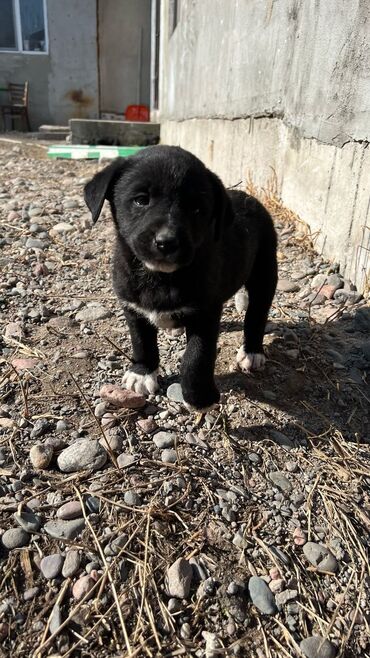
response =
{"points": [[132, 528]]}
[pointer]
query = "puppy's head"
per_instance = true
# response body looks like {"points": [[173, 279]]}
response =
{"points": [[165, 204]]}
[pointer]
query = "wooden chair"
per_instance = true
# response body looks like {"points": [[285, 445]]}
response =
{"points": [[17, 107]]}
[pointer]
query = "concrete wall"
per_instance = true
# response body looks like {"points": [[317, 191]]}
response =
{"points": [[124, 53], [64, 82], [284, 84]]}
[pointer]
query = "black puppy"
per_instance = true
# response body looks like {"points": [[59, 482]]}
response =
{"points": [[184, 246]]}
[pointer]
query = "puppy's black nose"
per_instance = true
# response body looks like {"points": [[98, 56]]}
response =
{"points": [[166, 242]]}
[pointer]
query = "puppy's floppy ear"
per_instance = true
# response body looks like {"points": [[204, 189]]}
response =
{"points": [[100, 187], [222, 209]]}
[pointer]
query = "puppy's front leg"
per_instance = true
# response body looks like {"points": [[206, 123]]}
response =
{"points": [[142, 375], [197, 368]]}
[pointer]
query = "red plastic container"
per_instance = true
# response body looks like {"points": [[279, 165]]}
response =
{"points": [[137, 113]]}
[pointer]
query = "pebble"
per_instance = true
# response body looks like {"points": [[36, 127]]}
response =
{"points": [[285, 285], [164, 440], [41, 456], [51, 565], [280, 481], [132, 498], [29, 521], [25, 364], [125, 460], [71, 564], [179, 577], [147, 425], [93, 312], [281, 439], [282, 598], [61, 227], [85, 454], [320, 557], [121, 397], [174, 393], [70, 510], [113, 438], [299, 537], [35, 243], [317, 647], [30, 593], [169, 456], [15, 538], [261, 596], [82, 587], [64, 529], [42, 426], [55, 619]]}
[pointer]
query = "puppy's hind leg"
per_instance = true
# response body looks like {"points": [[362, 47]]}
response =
{"points": [[142, 375], [261, 289]]}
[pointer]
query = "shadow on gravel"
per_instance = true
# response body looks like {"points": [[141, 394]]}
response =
{"points": [[317, 374]]}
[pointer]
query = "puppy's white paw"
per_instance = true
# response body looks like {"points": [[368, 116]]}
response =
{"points": [[241, 300], [248, 361], [143, 384]]}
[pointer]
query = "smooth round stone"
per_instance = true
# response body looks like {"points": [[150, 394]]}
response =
{"points": [[132, 498], [71, 564], [164, 440], [317, 647], [41, 456], [261, 596], [125, 460], [92, 312], [320, 557], [82, 587], [15, 538], [64, 529], [70, 510], [51, 565], [179, 578], [61, 426], [169, 456], [30, 593], [113, 439], [93, 504], [85, 454], [280, 481], [174, 392]]}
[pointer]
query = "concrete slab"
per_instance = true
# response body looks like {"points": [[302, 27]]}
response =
{"points": [[113, 133]]}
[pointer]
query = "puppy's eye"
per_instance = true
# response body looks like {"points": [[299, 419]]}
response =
{"points": [[141, 200]]}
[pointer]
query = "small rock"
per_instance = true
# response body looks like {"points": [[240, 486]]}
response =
{"points": [[29, 521], [42, 426], [285, 285], [85, 454], [55, 620], [317, 647], [51, 565], [277, 585], [113, 438], [241, 300], [280, 481], [147, 425], [299, 537], [282, 598], [61, 426], [41, 456], [261, 596], [13, 330], [61, 227], [174, 393], [281, 439], [320, 557], [25, 364], [164, 440], [179, 577], [35, 243], [121, 397], [93, 312], [70, 510], [132, 498], [169, 456], [64, 529], [15, 538], [82, 587], [71, 564], [125, 460], [30, 593]]}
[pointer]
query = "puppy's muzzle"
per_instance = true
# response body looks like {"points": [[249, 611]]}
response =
{"points": [[166, 242]]}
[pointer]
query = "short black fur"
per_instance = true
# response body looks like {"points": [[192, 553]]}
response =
{"points": [[184, 245]]}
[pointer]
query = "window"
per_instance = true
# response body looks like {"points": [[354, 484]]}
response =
{"points": [[23, 26]]}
